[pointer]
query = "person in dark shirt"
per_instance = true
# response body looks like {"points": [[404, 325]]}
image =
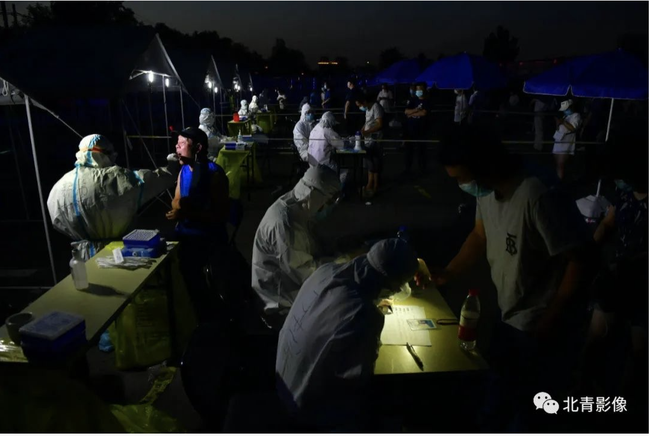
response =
{"points": [[621, 288], [417, 113], [326, 96], [353, 120]]}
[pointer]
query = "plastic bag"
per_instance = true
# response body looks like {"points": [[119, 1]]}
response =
{"points": [[140, 334], [144, 417]]}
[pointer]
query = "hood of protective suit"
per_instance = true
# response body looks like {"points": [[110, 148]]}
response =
{"points": [[244, 103], [394, 259], [303, 111], [96, 151], [207, 117], [319, 185], [254, 99], [328, 120]]}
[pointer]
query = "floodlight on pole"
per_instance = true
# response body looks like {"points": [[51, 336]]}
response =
{"points": [[209, 84], [216, 90], [150, 76], [167, 82]]}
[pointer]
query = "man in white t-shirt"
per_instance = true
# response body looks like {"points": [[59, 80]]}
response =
{"points": [[536, 244], [385, 98], [538, 107], [372, 131], [460, 110], [565, 136]]}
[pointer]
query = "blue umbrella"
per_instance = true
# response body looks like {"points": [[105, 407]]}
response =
{"points": [[462, 72], [613, 75], [402, 72]]}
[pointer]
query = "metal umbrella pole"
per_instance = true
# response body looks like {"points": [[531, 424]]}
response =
{"points": [[40, 188], [609, 125]]}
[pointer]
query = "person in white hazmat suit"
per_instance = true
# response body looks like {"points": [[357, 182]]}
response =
{"points": [[285, 250], [330, 341], [322, 142], [97, 202], [302, 130], [254, 107], [207, 124], [243, 110]]}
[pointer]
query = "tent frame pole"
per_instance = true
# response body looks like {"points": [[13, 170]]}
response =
{"points": [[124, 134], [180, 90], [164, 85], [20, 175], [40, 188]]}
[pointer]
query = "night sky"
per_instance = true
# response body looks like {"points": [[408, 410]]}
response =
{"points": [[361, 30]]}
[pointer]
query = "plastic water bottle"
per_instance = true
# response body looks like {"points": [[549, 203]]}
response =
{"points": [[357, 141], [469, 315], [78, 271], [402, 234], [240, 138]]}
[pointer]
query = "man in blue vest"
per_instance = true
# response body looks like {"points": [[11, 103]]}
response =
{"points": [[201, 208]]}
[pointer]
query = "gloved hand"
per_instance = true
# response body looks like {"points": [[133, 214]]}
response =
{"points": [[172, 157]]}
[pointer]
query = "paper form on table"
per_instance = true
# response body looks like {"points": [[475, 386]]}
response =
{"points": [[397, 331]]}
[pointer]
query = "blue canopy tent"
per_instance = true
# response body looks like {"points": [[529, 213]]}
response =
{"points": [[612, 75], [402, 72], [462, 72]]}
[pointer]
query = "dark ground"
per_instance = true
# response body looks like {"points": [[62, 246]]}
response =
{"points": [[427, 206]]}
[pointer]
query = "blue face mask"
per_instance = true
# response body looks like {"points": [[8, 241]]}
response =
{"points": [[363, 108], [473, 188], [419, 93], [568, 112], [620, 184], [324, 212], [309, 117]]}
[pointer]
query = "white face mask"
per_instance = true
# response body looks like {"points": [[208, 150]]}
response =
{"points": [[401, 294]]}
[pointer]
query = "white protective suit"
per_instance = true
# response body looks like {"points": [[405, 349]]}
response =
{"points": [[329, 343], [253, 107], [285, 251], [206, 123], [97, 201], [322, 141], [301, 133], [243, 111]]}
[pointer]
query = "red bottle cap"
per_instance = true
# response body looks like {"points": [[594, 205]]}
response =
{"points": [[473, 292]]}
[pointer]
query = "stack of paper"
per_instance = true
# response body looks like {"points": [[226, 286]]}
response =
{"points": [[397, 330]]}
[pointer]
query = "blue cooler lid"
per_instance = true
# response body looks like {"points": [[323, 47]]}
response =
{"points": [[142, 238], [51, 326]]}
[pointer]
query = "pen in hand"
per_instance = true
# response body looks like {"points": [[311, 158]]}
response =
{"points": [[417, 359]]}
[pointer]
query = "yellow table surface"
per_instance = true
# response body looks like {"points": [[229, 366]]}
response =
{"points": [[109, 292], [235, 126], [444, 354]]}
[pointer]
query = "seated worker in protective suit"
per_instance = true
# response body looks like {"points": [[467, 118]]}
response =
{"points": [[322, 141], [201, 208], [285, 251], [243, 110], [206, 123], [97, 202], [329, 343], [302, 130], [254, 107]]}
